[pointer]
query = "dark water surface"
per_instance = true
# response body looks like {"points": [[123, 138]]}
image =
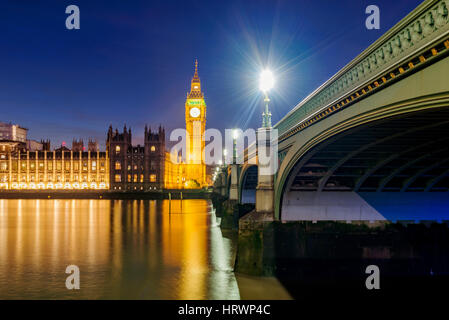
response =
{"points": [[137, 249]]}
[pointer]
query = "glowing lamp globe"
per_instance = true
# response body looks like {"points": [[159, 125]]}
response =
{"points": [[266, 81]]}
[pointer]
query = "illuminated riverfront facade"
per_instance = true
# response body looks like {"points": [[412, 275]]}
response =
{"points": [[59, 169], [174, 174], [123, 167]]}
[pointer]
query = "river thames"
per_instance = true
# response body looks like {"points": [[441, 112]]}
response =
{"points": [[125, 249]]}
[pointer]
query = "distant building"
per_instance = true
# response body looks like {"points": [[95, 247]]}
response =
{"points": [[7, 146], [12, 132], [12, 139], [33, 145], [63, 148], [93, 146], [77, 145], [45, 145]]}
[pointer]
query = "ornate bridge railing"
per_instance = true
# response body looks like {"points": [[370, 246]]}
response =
{"points": [[416, 41]]}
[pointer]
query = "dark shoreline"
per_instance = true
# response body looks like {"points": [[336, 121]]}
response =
{"points": [[165, 194]]}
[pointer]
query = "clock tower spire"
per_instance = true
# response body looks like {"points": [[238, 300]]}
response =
{"points": [[195, 85]]}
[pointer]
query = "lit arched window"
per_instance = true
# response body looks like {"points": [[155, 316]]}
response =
{"points": [[152, 178], [117, 149], [118, 165], [153, 148]]}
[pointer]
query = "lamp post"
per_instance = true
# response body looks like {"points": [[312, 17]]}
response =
{"points": [[225, 153], [235, 135], [265, 179], [233, 190], [255, 243], [266, 82]]}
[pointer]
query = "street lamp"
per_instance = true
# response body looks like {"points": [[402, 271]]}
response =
{"points": [[225, 159], [235, 133], [266, 82]]}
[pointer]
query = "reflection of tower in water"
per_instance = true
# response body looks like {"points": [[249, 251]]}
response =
{"points": [[185, 245]]}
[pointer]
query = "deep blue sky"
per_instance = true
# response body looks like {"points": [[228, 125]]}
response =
{"points": [[132, 61]]}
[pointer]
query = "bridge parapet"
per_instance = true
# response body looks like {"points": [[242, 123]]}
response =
{"points": [[410, 43]]}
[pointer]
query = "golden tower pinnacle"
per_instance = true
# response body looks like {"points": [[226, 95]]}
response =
{"points": [[195, 86]]}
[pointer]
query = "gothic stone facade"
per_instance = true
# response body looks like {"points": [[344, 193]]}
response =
{"points": [[136, 168]]}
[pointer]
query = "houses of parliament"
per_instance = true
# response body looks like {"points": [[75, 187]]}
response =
{"points": [[31, 165]]}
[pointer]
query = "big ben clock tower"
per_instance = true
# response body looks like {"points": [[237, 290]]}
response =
{"points": [[195, 125]]}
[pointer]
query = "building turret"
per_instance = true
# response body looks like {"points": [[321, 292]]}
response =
{"points": [[93, 146], [77, 145], [45, 145]]}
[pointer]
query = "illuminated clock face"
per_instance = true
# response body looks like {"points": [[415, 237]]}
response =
{"points": [[195, 112]]}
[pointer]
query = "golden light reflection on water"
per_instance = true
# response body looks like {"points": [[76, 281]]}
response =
{"points": [[137, 249]]}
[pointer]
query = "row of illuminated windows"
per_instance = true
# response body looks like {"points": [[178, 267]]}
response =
{"points": [[118, 149], [118, 166], [132, 188], [50, 178], [135, 178], [58, 165], [50, 157]]}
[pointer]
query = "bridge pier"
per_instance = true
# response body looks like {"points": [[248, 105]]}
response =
{"points": [[265, 194], [255, 250], [230, 210], [255, 255], [234, 189], [265, 173], [224, 186]]}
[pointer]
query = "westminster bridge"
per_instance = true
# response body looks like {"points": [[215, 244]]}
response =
{"points": [[369, 145]]}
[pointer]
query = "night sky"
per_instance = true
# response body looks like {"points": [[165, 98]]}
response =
{"points": [[131, 62]]}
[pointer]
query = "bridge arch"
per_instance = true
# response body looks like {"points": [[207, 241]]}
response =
{"points": [[423, 94], [248, 178], [415, 159]]}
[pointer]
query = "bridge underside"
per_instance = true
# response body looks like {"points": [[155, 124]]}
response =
{"points": [[249, 184], [392, 169]]}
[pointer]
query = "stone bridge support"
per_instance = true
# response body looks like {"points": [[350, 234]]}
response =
{"points": [[234, 189], [265, 191], [255, 253], [224, 185], [230, 209]]}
